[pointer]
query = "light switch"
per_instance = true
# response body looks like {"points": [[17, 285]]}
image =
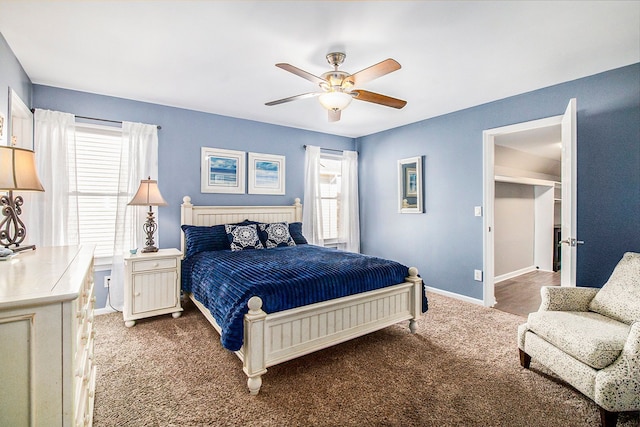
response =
{"points": [[477, 210]]}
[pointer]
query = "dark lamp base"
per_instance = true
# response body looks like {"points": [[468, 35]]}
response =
{"points": [[150, 249], [22, 248]]}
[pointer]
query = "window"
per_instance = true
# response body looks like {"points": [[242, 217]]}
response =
{"points": [[330, 184], [98, 153]]}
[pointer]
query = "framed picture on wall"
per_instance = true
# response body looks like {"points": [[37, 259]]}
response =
{"points": [[222, 171], [20, 123], [411, 182], [266, 174]]}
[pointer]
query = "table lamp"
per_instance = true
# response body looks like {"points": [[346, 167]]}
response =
{"points": [[17, 172], [149, 195]]}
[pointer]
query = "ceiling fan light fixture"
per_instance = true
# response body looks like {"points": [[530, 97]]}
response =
{"points": [[335, 101]]}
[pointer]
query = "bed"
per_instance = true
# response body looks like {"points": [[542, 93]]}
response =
{"points": [[269, 338]]}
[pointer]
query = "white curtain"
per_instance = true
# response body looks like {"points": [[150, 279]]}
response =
{"points": [[312, 212], [138, 160], [349, 224], [53, 214]]}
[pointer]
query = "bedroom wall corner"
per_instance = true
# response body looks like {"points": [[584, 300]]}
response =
{"points": [[445, 242]]}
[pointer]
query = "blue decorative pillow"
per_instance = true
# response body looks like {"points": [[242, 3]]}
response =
{"points": [[295, 229], [203, 238], [243, 237], [276, 234]]}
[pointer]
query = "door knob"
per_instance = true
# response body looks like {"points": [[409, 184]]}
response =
{"points": [[571, 242]]}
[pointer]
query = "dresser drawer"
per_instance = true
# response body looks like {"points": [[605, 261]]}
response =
{"points": [[154, 264]]}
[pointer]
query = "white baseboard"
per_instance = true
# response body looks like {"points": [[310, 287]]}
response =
{"points": [[105, 310], [516, 273], [454, 295]]}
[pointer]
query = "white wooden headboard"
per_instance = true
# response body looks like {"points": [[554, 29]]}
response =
{"points": [[215, 215]]}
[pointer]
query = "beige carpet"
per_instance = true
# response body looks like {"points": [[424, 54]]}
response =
{"points": [[460, 369]]}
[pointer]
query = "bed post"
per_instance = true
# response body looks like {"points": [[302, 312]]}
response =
{"points": [[298, 206], [186, 217], [417, 297], [254, 365]]}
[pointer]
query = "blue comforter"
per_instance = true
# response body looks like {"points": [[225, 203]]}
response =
{"points": [[284, 278]]}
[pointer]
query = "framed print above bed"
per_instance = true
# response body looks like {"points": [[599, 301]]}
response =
{"points": [[222, 171], [266, 174]]}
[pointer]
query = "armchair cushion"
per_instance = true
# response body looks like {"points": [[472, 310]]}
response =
{"points": [[619, 298], [588, 337]]}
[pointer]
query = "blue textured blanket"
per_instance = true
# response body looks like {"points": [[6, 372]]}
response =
{"points": [[284, 278]]}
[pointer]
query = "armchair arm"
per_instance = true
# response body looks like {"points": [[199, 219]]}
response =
{"points": [[557, 298], [617, 385]]}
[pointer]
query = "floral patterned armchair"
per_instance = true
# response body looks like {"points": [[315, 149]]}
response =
{"points": [[590, 338]]}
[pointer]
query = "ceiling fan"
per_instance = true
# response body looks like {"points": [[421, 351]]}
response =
{"points": [[338, 88]]}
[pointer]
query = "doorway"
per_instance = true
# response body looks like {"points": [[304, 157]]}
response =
{"points": [[529, 199]]}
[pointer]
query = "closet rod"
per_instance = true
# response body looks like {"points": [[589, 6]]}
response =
{"points": [[33, 110]]}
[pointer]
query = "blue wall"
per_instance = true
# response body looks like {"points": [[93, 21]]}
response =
{"points": [[445, 242], [182, 135]]}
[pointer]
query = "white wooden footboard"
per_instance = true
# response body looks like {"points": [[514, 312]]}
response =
{"points": [[274, 338]]}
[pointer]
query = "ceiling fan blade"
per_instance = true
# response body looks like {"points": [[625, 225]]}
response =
{"points": [[293, 98], [378, 70], [334, 115], [376, 98], [302, 73]]}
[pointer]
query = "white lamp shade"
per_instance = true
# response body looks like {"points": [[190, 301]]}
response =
{"points": [[335, 100], [18, 170], [148, 194]]}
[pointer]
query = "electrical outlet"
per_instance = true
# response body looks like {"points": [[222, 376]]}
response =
{"points": [[107, 280], [477, 275]]}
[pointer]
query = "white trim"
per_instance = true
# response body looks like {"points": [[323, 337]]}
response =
{"points": [[454, 295], [515, 273]]}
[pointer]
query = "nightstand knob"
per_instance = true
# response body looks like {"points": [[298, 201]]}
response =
{"points": [[137, 294], [155, 264]]}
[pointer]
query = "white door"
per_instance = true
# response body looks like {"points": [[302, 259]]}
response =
{"points": [[569, 185]]}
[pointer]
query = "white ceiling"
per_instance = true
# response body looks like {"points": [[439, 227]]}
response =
{"points": [[219, 56], [544, 142]]}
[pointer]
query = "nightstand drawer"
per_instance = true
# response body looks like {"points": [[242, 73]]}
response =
{"points": [[154, 264]]}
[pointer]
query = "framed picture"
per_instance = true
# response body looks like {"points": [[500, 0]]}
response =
{"points": [[20, 124], [266, 174], [411, 182], [222, 171]]}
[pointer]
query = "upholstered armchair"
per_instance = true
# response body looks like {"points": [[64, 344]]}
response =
{"points": [[590, 338]]}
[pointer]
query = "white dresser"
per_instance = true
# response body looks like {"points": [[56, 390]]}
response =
{"points": [[47, 376]]}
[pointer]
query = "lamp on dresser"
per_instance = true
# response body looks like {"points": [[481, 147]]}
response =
{"points": [[17, 172], [149, 195]]}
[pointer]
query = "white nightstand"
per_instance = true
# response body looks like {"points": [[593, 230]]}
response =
{"points": [[151, 285]]}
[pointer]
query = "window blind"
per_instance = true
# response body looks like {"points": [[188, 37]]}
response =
{"points": [[98, 155], [330, 177]]}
